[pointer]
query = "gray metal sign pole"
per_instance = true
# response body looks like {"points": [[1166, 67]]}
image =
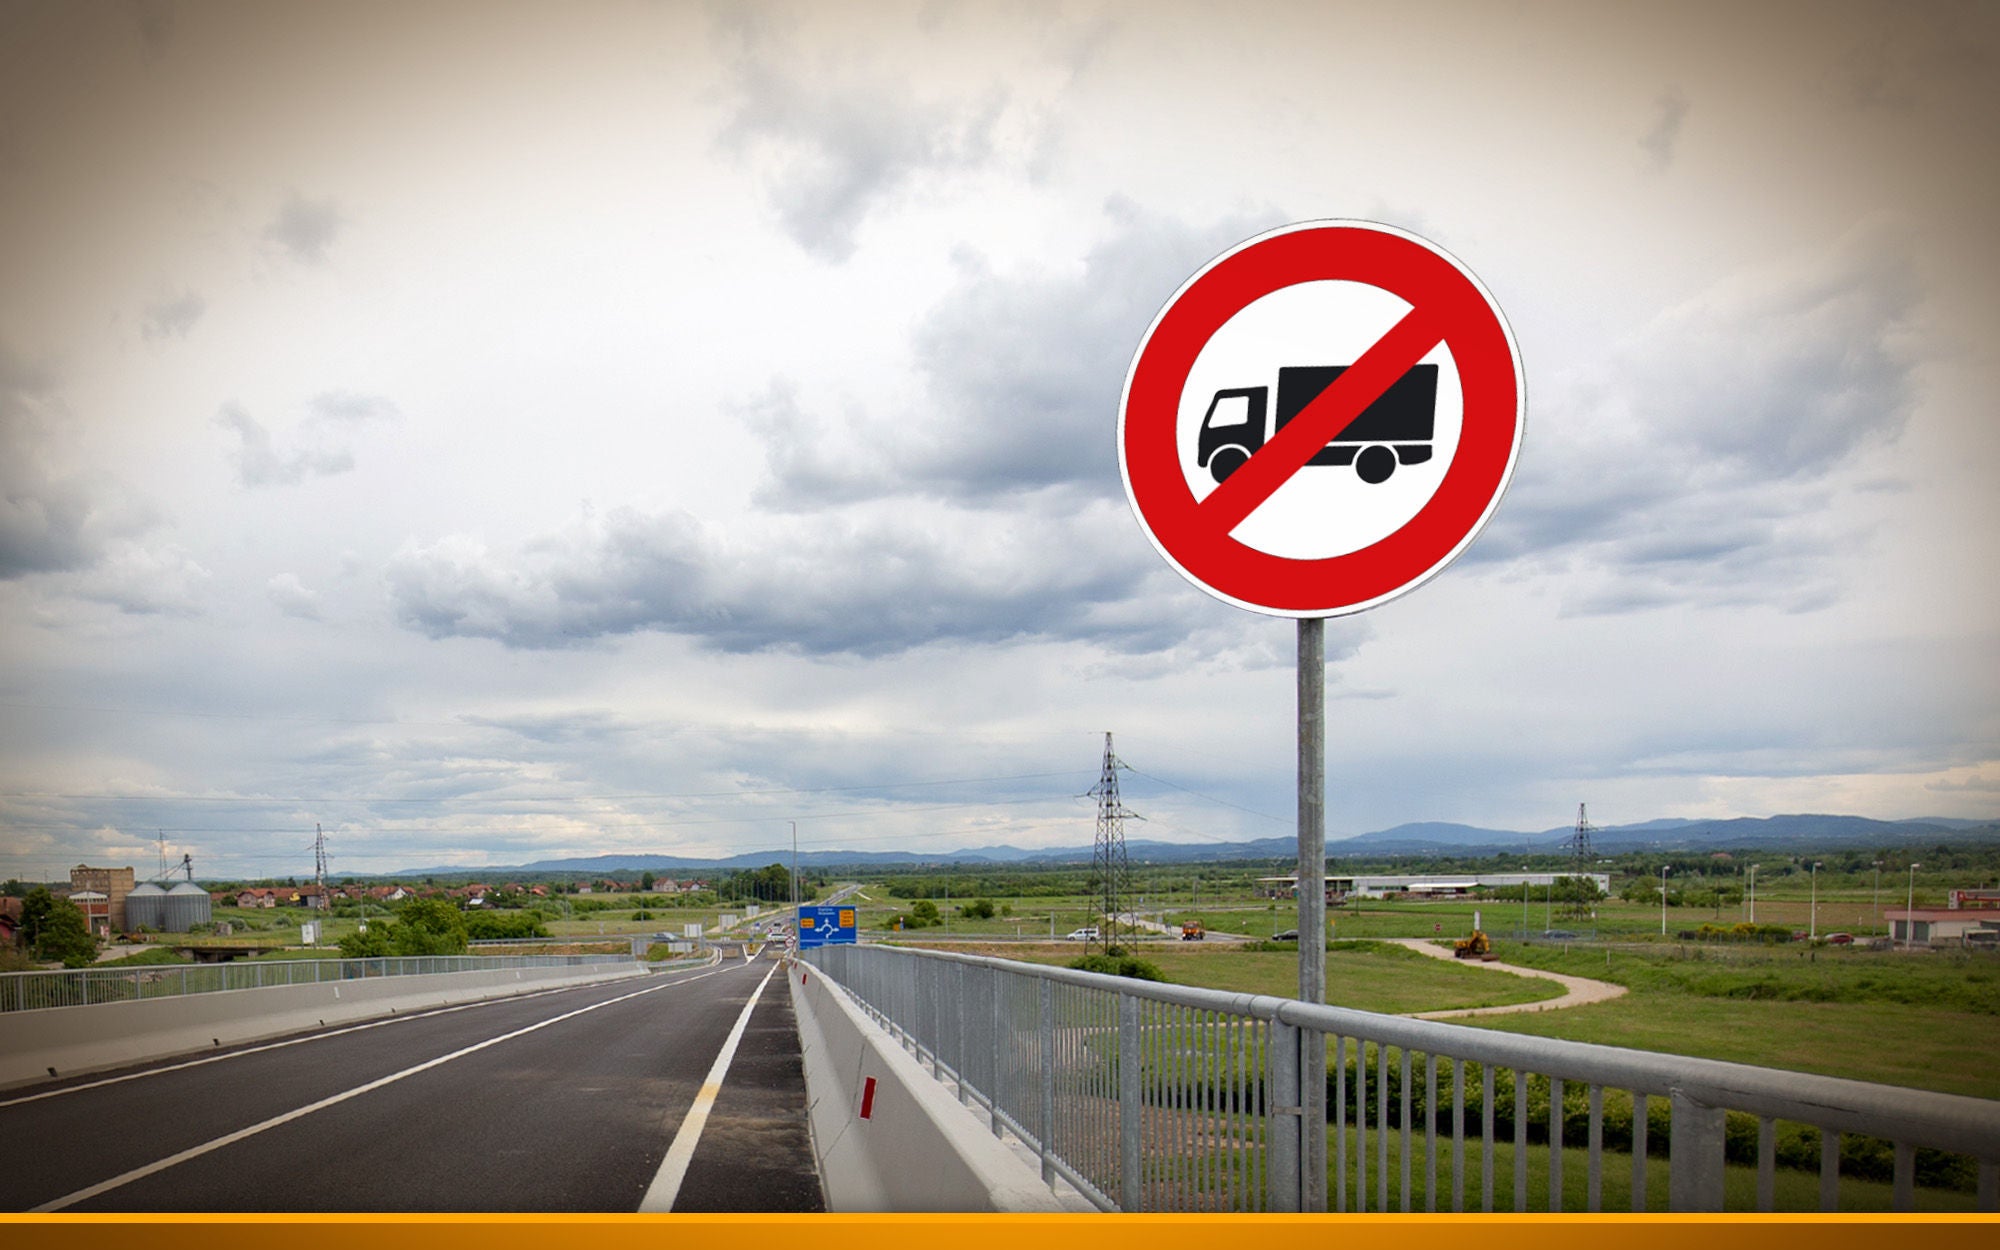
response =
{"points": [[1312, 907]]}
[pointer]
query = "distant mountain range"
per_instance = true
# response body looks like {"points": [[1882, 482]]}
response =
{"points": [[1428, 838]]}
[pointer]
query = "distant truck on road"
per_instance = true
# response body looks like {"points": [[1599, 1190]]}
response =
{"points": [[1396, 429]]}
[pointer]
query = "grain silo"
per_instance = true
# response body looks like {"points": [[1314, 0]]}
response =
{"points": [[146, 907], [183, 907]]}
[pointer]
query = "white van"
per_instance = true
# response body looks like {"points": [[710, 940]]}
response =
{"points": [[1082, 935]]}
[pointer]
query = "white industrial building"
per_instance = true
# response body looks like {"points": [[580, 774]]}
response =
{"points": [[1456, 885], [1931, 926]]}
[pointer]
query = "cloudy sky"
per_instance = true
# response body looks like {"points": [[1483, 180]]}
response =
{"points": [[492, 432]]}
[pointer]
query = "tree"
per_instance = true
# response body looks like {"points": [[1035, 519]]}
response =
{"points": [[66, 936], [646, 881], [429, 926], [35, 911], [370, 943]]}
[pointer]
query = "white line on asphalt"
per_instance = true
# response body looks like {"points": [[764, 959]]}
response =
{"points": [[300, 1041], [195, 1152], [666, 1184]]}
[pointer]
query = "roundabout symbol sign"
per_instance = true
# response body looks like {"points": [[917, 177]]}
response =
{"points": [[1321, 419]]}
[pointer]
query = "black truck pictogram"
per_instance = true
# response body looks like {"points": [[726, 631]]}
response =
{"points": [[1395, 429]]}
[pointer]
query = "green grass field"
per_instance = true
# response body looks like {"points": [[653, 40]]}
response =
{"points": [[1366, 976]]}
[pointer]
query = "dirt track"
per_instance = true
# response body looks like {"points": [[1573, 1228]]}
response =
{"points": [[1576, 990]]}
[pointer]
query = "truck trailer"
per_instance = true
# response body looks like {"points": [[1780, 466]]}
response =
{"points": [[1396, 429]]}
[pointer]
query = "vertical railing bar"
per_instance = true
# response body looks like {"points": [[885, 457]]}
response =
{"points": [[1241, 1045], [1638, 1151], [1989, 1186], [1360, 1125], [1829, 1170], [1212, 1101], [995, 1019], [1905, 1185], [1225, 1102], [1381, 1127], [1340, 1123], [1190, 1168], [1486, 1130], [1555, 1143], [1194, 1060], [1458, 1135], [1767, 1162], [1405, 1178], [1430, 1132], [1593, 1194], [1520, 1140]]}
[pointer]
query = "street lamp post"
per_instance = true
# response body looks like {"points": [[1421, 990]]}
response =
{"points": [[795, 871], [1753, 892], [1524, 902], [1812, 923], [1664, 870], [1878, 888], [1909, 911]]}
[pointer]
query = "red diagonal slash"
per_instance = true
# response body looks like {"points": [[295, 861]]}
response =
{"points": [[1321, 421]]}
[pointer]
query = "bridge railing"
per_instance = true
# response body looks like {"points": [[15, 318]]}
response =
{"points": [[32, 991], [1170, 1098]]}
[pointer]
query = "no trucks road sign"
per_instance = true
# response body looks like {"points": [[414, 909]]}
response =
{"points": [[1321, 419]]}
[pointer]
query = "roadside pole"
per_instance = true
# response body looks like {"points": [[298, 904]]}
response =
{"points": [[1312, 907]]}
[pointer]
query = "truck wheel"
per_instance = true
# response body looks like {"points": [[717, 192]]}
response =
{"points": [[1375, 464], [1227, 460]]}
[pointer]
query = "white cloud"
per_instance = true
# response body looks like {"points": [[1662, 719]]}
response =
{"points": [[260, 463], [293, 599], [305, 229], [1697, 465], [868, 581], [1661, 137], [841, 137]]}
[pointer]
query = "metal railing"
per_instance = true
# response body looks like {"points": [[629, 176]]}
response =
{"points": [[33, 991], [1151, 1097]]}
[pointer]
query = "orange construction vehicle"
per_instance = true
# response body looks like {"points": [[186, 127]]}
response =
{"points": [[1478, 946]]}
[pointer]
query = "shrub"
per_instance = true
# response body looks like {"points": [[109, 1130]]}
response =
{"points": [[1119, 965]]}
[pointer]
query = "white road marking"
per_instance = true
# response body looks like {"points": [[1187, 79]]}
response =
{"points": [[195, 1152], [666, 1184]]}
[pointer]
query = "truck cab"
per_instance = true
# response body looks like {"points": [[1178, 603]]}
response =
{"points": [[1396, 429]]}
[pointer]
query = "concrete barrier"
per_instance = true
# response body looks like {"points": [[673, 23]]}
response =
{"points": [[63, 1041], [888, 1137]]}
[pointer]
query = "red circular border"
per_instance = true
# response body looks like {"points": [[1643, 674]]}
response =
{"points": [[1480, 344]]}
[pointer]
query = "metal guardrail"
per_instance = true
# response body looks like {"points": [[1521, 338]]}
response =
{"points": [[1150, 1097], [34, 991]]}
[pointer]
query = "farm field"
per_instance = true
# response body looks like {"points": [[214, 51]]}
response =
{"points": [[1924, 1020], [1365, 976], [1920, 1019]]}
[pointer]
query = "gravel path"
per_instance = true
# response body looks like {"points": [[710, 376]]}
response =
{"points": [[1576, 990]]}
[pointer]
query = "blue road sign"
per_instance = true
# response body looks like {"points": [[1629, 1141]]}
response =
{"points": [[821, 925]]}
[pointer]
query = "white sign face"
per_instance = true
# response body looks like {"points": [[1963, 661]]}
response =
{"points": [[308, 933], [1282, 344]]}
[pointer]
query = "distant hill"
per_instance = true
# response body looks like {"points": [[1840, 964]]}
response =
{"points": [[1802, 832]]}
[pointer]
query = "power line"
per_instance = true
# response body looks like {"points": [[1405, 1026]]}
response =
{"points": [[1200, 795]]}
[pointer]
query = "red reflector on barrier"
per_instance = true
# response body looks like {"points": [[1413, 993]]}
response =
{"points": [[868, 1098]]}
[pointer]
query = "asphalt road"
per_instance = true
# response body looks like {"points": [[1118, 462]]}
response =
{"points": [[566, 1100]]}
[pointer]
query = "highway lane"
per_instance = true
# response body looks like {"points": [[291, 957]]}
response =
{"points": [[560, 1101]]}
